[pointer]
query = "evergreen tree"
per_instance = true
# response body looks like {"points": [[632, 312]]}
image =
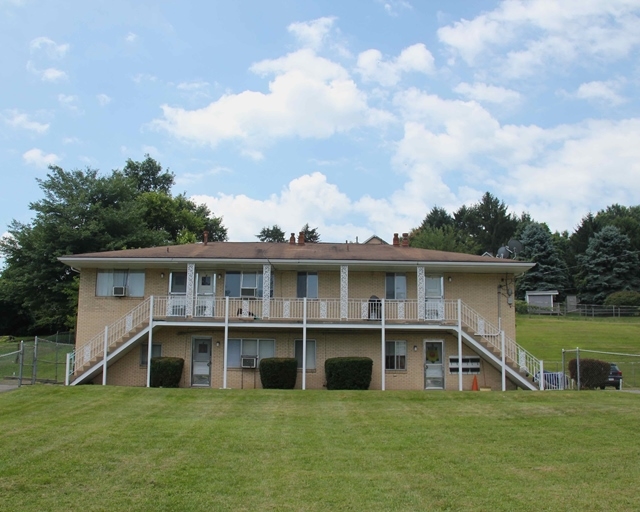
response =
{"points": [[311, 235], [550, 272], [437, 218], [445, 238], [608, 265]]}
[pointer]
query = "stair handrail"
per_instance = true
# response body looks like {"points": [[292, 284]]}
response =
{"points": [[94, 348]]}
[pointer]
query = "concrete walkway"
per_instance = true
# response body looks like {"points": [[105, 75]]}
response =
{"points": [[7, 387]]}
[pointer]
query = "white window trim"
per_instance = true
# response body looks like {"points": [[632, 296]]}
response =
{"points": [[395, 342]]}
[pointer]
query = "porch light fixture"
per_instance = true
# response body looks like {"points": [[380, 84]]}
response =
{"points": [[415, 348], [449, 278], [217, 343], [161, 275]]}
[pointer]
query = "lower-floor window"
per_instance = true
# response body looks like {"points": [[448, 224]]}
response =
{"points": [[396, 355], [238, 348], [311, 354], [470, 364], [156, 351]]}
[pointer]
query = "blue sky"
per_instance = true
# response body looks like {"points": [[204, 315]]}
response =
{"points": [[356, 117]]}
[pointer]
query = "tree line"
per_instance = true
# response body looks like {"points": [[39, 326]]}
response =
{"points": [[83, 211]]}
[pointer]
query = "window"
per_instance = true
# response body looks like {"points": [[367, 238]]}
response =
{"points": [[396, 355], [249, 347], [132, 280], [308, 285], [396, 285], [243, 284], [178, 284], [433, 287], [156, 351], [470, 364], [311, 354]]}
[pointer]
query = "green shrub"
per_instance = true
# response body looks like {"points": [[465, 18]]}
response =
{"points": [[593, 372], [522, 307], [166, 372], [348, 372], [278, 372], [624, 298]]}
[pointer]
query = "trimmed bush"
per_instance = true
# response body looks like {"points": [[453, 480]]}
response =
{"points": [[348, 372], [166, 372], [522, 307], [593, 372], [624, 298], [278, 372]]}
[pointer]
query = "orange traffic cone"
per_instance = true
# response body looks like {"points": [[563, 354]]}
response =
{"points": [[474, 386]]}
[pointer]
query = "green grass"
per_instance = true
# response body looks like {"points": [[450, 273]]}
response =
{"points": [[97, 448], [546, 336]]}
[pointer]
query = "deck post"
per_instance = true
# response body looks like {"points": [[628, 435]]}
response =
{"points": [[226, 343], [383, 347], [66, 366], [304, 343], [459, 344], [541, 375], [21, 363], [564, 378], [504, 366], [578, 366], [106, 348], [150, 341]]}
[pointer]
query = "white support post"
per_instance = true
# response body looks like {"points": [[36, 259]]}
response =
{"points": [[504, 363], [150, 340], [304, 343], [459, 344], [383, 348], [106, 347], [226, 343], [67, 365], [541, 375]]}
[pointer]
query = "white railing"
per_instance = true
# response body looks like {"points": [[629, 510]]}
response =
{"points": [[320, 310], [94, 348]]}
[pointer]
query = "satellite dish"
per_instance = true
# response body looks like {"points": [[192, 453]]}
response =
{"points": [[515, 247], [503, 252]]}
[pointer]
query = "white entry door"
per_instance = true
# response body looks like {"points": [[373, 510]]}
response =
{"points": [[433, 365], [201, 362]]}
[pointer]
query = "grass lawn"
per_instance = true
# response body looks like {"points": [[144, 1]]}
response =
{"points": [[97, 448]]}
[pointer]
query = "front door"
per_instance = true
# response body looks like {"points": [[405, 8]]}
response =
{"points": [[433, 365], [201, 362]]}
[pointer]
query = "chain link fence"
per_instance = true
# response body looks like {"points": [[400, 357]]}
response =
{"points": [[35, 360]]}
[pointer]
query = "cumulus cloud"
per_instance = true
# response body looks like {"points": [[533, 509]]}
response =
{"points": [[394, 7], [488, 93], [17, 119], [38, 158], [601, 91], [524, 37], [48, 74], [49, 47], [103, 99], [312, 34], [373, 68], [309, 97], [131, 37], [196, 85]]}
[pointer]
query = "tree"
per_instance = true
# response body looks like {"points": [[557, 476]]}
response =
{"points": [[148, 176], [608, 265], [82, 211], [445, 238], [311, 235], [271, 234], [437, 218], [550, 272]]}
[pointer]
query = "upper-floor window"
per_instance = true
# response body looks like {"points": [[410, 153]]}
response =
{"points": [[433, 287], [308, 285], [178, 285], [396, 286], [244, 284], [132, 281]]}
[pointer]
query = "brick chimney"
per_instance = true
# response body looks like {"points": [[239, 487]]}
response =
{"points": [[405, 239], [206, 237], [292, 240], [396, 240], [301, 238]]}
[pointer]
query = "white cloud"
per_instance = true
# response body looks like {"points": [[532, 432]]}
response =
{"points": [[393, 7], [487, 93], [144, 77], [606, 92], [309, 97], [50, 48], [196, 85], [103, 99], [188, 178], [131, 37], [312, 34], [48, 74], [373, 68], [38, 158], [520, 38], [70, 140], [22, 121], [69, 101]]}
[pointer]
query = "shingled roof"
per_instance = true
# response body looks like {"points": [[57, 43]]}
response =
{"points": [[263, 252]]}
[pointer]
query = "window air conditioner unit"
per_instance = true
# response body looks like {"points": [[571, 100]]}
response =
{"points": [[119, 291], [249, 362]]}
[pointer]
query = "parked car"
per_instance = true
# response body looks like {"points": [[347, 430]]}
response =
{"points": [[615, 377]]}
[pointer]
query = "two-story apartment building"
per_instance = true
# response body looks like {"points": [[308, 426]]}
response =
{"points": [[428, 319]]}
